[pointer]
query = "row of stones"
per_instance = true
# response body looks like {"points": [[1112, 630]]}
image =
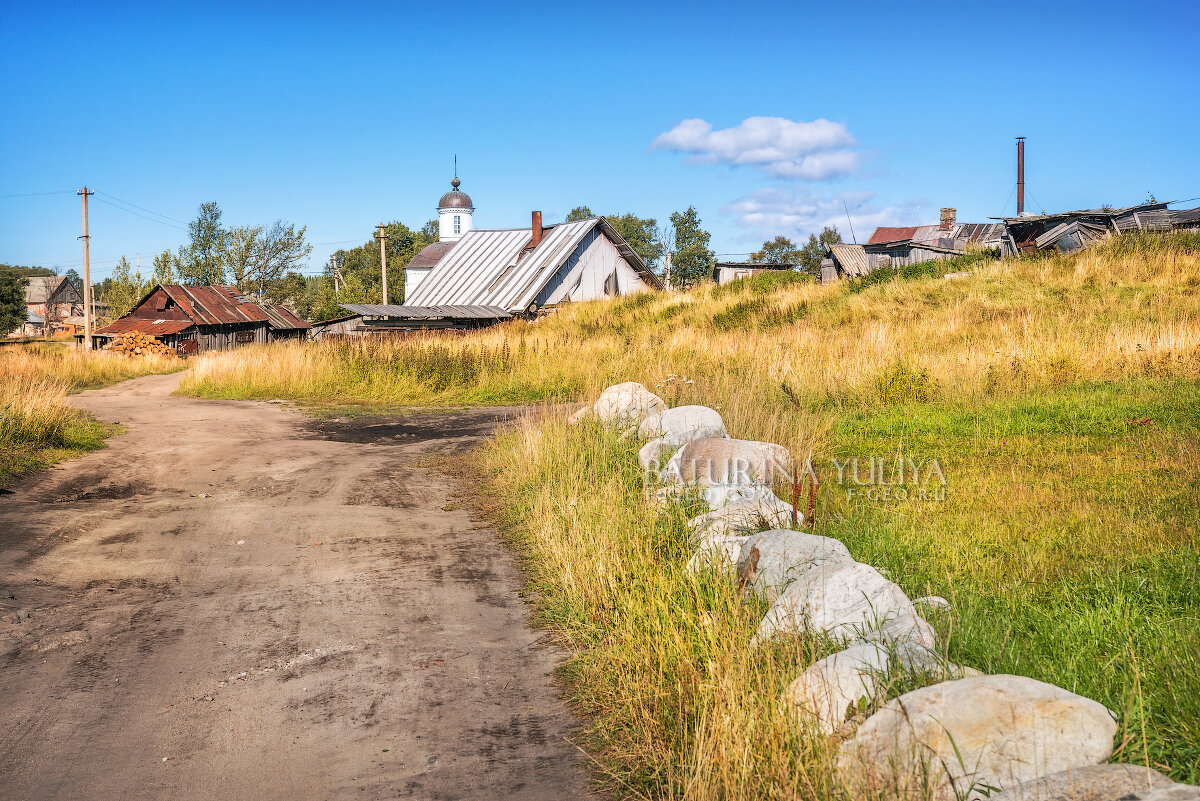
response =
{"points": [[966, 736]]}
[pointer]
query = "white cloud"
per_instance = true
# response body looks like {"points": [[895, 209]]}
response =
{"points": [[807, 151], [795, 213]]}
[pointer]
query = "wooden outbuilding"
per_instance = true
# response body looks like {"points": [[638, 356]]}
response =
{"points": [[195, 319]]}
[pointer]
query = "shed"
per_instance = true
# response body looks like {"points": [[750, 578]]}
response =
{"points": [[726, 271], [194, 319], [375, 318], [1071, 230], [53, 298]]}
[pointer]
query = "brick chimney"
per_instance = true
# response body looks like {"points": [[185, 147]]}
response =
{"points": [[947, 222], [537, 230]]}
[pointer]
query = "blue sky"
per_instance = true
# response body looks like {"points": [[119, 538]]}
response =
{"points": [[341, 116]]}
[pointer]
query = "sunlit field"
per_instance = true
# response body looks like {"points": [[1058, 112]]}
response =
{"points": [[1060, 397]]}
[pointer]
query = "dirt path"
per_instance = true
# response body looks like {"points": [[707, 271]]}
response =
{"points": [[364, 640]]}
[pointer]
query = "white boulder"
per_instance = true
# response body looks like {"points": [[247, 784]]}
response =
{"points": [[828, 691], [932, 602], [1092, 783], [719, 551], [743, 517], [682, 424], [963, 739], [771, 560], [627, 404], [839, 600], [711, 461]]}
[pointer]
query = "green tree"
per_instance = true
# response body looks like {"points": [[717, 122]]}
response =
{"points": [[202, 260], [363, 262], [125, 289], [814, 250], [256, 255], [76, 280], [164, 268], [779, 250], [642, 236], [12, 300], [579, 213], [693, 261]]}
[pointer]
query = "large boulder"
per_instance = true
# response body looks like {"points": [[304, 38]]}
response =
{"points": [[1090, 783], [903, 630], [627, 405], [711, 461], [719, 551], [771, 560], [962, 739], [746, 516], [828, 691], [683, 424], [842, 601]]}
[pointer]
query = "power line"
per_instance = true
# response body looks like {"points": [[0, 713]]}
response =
{"points": [[40, 194], [182, 227], [148, 211]]}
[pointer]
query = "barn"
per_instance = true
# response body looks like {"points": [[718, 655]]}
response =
{"points": [[195, 319]]}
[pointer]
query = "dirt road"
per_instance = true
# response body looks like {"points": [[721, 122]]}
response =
{"points": [[236, 602]]}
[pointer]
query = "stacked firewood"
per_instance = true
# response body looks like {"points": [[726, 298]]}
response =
{"points": [[135, 343]]}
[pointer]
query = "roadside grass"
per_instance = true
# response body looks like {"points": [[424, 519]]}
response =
{"points": [[37, 427], [1060, 396]]}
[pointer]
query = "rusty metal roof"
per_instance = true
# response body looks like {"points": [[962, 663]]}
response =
{"points": [[282, 318], [427, 312], [152, 327], [430, 255], [212, 305], [884, 234]]}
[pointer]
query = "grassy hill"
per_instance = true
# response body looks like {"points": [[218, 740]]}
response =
{"points": [[1060, 397]]}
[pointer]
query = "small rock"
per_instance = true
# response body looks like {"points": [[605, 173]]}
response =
{"points": [[836, 599], [771, 560], [241, 542], [1090, 783], [70, 639], [932, 601], [968, 737]]}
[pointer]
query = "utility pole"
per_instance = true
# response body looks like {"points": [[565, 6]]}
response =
{"points": [[1020, 175], [87, 274], [333, 268], [383, 258]]}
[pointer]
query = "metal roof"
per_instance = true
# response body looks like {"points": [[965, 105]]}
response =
{"points": [[282, 318], [1082, 213], [494, 268], [852, 258], [758, 265], [430, 255], [33, 317], [211, 305], [426, 312], [885, 234], [152, 327], [455, 199]]}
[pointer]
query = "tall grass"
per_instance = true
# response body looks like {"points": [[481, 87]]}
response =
{"points": [[36, 424], [1060, 394]]}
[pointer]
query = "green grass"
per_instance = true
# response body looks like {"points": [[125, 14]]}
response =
{"points": [[81, 435]]}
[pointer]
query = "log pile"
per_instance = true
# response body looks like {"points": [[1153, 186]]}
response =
{"points": [[135, 343]]}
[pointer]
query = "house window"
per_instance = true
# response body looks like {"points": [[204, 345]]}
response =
{"points": [[457, 224]]}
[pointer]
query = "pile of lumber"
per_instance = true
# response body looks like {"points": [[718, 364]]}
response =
{"points": [[135, 343]]}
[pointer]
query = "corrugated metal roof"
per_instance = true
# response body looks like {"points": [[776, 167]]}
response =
{"points": [[1142, 207], [852, 258], [33, 317], [408, 312], [152, 327], [758, 265], [282, 318], [212, 305], [494, 268]]}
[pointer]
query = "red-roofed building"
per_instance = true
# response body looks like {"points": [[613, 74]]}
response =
{"points": [[193, 319], [885, 234]]}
